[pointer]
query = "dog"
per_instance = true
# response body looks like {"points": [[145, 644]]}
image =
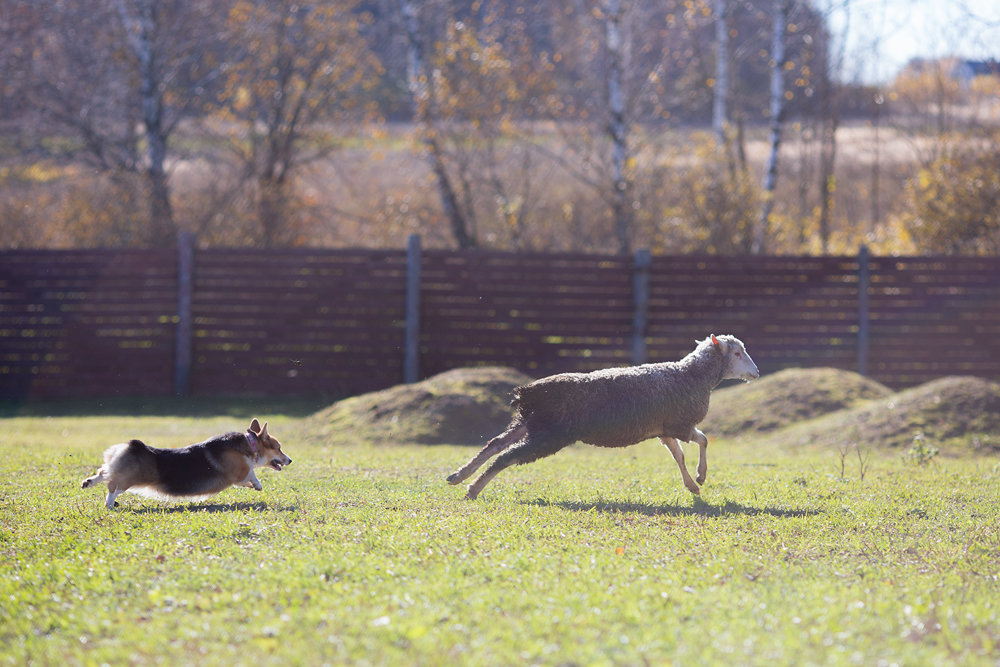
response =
{"points": [[193, 472]]}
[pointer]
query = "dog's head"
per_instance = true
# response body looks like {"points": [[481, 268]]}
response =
{"points": [[269, 453]]}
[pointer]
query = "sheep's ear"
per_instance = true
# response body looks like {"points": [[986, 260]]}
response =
{"points": [[715, 341]]}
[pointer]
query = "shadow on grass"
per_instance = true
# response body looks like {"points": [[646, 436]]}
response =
{"points": [[211, 508], [698, 508]]}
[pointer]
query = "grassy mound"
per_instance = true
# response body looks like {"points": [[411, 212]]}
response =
{"points": [[787, 397], [465, 406], [959, 412], [815, 406]]}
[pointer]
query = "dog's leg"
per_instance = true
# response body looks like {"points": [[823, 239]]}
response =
{"points": [[99, 476], [110, 501], [252, 481]]}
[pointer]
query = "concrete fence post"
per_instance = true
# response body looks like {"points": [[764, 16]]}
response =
{"points": [[864, 282], [183, 330], [640, 304], [411, 346]]}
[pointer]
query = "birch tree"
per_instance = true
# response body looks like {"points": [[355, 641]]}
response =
{"points": [[779, 26], [143, 21], [119, 76], [618, 125]]}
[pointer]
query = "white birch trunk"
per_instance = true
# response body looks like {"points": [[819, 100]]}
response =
{"points": [[139, 20], [778, 28], [618, 125]]}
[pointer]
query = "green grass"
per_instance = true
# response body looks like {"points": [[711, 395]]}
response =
{"points": [[363, 555]]}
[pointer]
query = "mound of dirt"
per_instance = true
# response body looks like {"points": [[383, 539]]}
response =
{"points": [[963, 411], [785, 398], [465, 406]]}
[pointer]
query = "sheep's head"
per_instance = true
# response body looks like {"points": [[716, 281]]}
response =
{"points": [[739, 365]]}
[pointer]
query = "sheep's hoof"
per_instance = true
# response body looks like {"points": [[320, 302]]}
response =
{"points": [[471, 494], [700, 479], [694, 489], [454, 478]]}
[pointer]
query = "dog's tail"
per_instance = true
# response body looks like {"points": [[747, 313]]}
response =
{"points": [[115, 452]]}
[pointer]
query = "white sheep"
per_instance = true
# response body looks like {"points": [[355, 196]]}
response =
{"points": [[615, 407]]}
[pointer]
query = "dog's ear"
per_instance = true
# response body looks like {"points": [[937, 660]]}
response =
{"points": [[255, 426], [263, 430]]}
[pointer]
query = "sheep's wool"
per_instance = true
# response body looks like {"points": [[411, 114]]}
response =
{"points": [[622, 406]]}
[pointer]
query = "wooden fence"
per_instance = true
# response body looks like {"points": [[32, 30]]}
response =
{"points": [[341, 322]]}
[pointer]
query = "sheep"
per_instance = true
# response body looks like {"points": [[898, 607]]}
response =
{"points": [[615, 407]]}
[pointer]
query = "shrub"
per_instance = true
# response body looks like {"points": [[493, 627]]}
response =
{"points": [[954, 203], [921, 452]]}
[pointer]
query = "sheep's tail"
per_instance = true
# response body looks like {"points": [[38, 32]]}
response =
{"points": [[528, 398], [517, 404]]}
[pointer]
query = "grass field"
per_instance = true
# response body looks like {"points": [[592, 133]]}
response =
{"points": [[362, 554]]}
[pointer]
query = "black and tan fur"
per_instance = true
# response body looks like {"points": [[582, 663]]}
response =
{"points": [[195, 471]]}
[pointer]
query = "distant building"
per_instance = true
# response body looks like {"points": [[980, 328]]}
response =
{"points": [[964, 71], [958, 70]]}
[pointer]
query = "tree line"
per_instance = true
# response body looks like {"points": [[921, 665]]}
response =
{"points": [[140, 108]]}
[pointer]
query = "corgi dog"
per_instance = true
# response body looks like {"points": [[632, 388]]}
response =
{"points": [[196, 471]]}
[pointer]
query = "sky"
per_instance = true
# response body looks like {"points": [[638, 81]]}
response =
{"points": [[883, 35]]}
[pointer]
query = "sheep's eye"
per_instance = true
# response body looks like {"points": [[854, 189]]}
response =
{"points": [[739, 354]]}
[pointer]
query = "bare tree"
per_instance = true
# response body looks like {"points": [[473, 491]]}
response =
{"points": [[475, 79], [617, 85], [426, 112], [830, 66], [142, 21], [292, 67], [119, 76], [19, 27]]}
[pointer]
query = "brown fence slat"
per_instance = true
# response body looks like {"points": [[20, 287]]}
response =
{"points": [[308, 321]]}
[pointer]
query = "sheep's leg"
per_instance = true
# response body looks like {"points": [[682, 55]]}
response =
{"points": [[515, 431], [678, 454], [531, 449], [702, 440]]}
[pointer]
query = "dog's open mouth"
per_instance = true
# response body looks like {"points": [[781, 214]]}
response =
{"points": [[276, 464]]}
